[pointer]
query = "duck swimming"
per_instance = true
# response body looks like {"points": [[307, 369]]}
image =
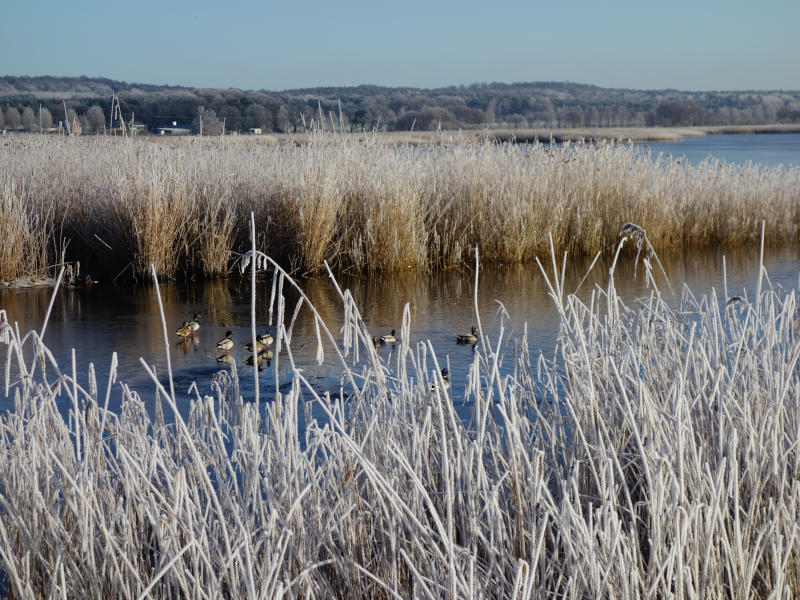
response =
{"points": [[467, 338], [389, 338], [226, 343], [184, 330], [263, 341], [445, 380]]}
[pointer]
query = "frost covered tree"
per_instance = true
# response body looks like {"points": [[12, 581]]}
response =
{"points": [[13, 118], [96, 119], [28, 119]]}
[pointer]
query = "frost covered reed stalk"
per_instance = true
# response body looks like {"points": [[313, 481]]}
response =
{"points": [[362, 204], [654, 455]]}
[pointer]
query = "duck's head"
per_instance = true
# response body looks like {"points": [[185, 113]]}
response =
{"points": [[229, 333], [195, 317], [445, 373], [474, 330]]}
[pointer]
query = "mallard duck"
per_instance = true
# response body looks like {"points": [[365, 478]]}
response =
{"points": [[468, 338], [194, 324], [376, 341], [259, 345], [445, 380], [389, 338], [263, 341], [184, 330], [226, 343]]}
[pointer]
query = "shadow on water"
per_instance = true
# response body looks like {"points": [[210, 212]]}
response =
{"points": [[106, 319]]}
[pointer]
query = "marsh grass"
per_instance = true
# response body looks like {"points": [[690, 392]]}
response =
{"points": [[655, 455], [360, 204], [25, 230]]}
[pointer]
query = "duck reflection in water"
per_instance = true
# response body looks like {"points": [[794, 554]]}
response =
{"points": [[264, 356], [187, 343]]}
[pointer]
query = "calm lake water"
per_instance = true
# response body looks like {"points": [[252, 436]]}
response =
{"points": [[769, 149], [105, 318]]}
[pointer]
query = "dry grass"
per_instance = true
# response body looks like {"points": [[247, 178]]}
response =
{"points": [[362, 204], [655, 456], [25, 230]]}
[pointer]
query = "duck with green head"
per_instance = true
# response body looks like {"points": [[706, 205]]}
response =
{"points": [[445, 380], [389, 338], [468, 338], [226, 343], [263, 341], [194, 324]]}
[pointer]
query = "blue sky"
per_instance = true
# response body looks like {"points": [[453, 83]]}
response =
{"points": [[683, 44]]}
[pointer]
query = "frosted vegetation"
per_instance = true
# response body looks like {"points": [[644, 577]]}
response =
{"points": [[653, 455], [120, 205]]}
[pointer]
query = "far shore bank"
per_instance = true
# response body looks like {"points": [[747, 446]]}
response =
{"points": [[545, 135]]}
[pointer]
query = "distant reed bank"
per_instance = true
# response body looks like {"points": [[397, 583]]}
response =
{"points": [[118, 205]]}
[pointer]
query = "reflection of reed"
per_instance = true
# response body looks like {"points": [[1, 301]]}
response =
{"points": [[211, 299], [216, 298], [322, 295], [27, 307]]}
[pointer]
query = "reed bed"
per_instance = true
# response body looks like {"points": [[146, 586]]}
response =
{"points": [[654, 455], [120, 205], [25, 230]]}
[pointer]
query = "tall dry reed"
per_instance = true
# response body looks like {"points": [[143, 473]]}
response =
{"points": [[363, 205], [26, 232]]}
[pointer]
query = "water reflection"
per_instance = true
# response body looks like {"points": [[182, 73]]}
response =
{"points": [[106, 319]]}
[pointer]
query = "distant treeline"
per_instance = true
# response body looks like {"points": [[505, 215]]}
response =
{"points": [[36, 103]]}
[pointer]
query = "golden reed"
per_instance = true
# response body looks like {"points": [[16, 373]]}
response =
{"points": [[360, 203]]}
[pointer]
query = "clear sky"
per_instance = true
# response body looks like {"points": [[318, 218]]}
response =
{"points": [[643, 44]]}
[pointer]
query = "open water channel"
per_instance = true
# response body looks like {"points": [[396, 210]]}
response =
{"points": [[105, 318]]}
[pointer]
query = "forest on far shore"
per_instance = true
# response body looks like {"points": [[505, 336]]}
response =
{"points": [[40, 103]]}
